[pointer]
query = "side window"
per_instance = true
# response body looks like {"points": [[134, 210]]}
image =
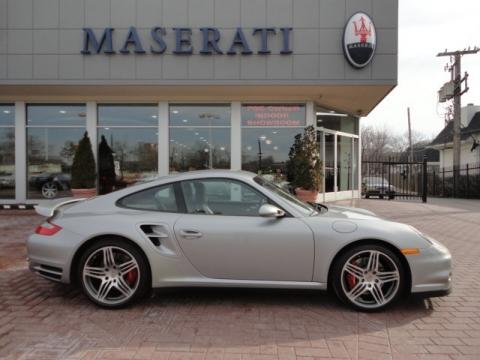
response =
{"points": [[221, 197], [161, 198]]}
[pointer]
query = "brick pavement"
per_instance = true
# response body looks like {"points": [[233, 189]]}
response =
{"points": [[44, 320]]}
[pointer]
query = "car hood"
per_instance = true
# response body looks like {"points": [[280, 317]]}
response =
{"points": [[345, 212]]}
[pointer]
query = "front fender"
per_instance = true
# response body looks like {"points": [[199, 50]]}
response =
{"points": [[329, 242]]}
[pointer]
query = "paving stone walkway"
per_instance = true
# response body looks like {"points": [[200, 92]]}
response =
{"points": [[43, 320]]}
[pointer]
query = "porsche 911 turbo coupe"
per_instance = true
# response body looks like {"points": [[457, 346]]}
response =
{"points": [[231, 229]]}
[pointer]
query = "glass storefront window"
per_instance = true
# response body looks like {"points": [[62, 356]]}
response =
{"points": [[268, 132], [199, 137], [128, 115], [128, 140], [7, 151], [56, 115], [200, 115], [53, 133]]}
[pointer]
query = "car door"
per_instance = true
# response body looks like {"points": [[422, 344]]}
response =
{"points": [[223, 236]]}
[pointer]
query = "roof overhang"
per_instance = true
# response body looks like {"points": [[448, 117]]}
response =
{"points": [[357, 100]]}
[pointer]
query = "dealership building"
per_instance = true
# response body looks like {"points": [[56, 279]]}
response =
{"points": [[181, 85]]}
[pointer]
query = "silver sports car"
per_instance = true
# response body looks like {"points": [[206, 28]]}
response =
{"points": [[226, 228]]}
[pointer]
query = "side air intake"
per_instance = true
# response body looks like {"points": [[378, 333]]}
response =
{"points": [[155, 233]]}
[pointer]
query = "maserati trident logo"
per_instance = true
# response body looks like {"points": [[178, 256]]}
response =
{"points": [[359, 40]]}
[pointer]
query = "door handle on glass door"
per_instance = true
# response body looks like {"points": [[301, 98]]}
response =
{"points": [[190, 234]]}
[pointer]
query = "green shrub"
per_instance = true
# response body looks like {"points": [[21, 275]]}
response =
{"points": [[83, 167]]}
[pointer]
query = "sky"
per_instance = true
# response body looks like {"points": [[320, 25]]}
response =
{"points": [[427, 27]]}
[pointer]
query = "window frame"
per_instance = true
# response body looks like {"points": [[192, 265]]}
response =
{"points": [[269, 199], [176, 190]]}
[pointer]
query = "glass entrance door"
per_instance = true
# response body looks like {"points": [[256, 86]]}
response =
{"points": [[339, 152]]}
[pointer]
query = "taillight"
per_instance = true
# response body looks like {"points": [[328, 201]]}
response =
{"points": [[47, 229]]}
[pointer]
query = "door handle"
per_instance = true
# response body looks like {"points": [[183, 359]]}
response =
{"points": [[190, 234]]}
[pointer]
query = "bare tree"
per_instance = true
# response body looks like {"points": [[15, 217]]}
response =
{"points": [[378, 142]]}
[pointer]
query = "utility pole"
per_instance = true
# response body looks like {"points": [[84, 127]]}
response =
{"points": [[410, 167], [410, 134], [455, 68]]}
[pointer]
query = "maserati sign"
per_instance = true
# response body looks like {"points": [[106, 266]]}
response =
{"points": [[359, 40]]}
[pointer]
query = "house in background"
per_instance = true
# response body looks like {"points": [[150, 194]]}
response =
{"points": [[470, 138]]}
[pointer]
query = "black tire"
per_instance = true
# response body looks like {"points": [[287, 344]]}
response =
{"points": [[391, 197], [367, 196], [336, 282], [143, 284], [381, 197]]}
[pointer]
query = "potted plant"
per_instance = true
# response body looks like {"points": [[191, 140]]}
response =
{"points": [[304, 165], [83, 170]]}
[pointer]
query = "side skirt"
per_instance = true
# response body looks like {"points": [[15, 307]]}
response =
{"points": [[205, 282]]}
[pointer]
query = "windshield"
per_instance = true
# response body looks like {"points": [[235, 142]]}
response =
{"points": [[300, 206], [375, 180]]}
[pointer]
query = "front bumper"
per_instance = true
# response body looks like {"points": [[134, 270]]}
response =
{"points": [[51, 256], [431, 271]]}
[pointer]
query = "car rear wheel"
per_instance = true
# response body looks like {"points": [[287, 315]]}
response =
{"points": [[49, 190], [368, 277], [113, 273]]}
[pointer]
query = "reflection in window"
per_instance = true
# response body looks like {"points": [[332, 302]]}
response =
{"points": [[128, 115], [199, 137], [7, 152], [131, 145], [53, 133], [268, 132], [160, 198], [56, 115]]}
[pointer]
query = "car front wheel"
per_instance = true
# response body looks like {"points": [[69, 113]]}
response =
{"points": [[368, 277], [113, 273]]}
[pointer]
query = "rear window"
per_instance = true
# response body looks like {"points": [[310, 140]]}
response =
{"points": [[160, 198]]}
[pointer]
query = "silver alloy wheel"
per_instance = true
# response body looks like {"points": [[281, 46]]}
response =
{"points": [[370, 279], [49, 190], [107, 275]]}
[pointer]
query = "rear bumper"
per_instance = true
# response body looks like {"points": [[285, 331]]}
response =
{"points": [[50, 256]]}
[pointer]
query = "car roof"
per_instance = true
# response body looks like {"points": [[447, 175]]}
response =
{"points": [[236, 174]]}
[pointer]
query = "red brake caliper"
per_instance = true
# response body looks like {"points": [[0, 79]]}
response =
{"points": [[132, 276], [351, 280]]}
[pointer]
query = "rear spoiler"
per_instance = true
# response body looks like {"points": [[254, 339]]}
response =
{"points": [[49, 210]]}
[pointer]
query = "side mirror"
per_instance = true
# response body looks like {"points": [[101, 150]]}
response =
{"points": [[270, 211]]}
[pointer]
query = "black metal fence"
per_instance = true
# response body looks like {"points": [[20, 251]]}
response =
{"points": [[394, 178], [442, 182]]}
